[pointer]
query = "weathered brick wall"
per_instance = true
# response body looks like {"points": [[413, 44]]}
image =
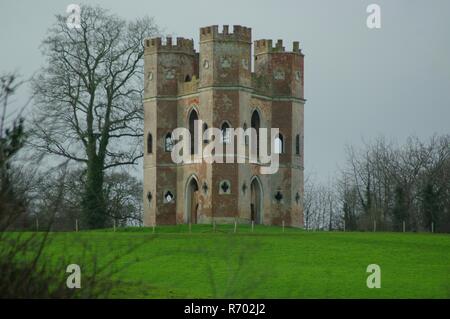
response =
{"points": [[223, 88]]}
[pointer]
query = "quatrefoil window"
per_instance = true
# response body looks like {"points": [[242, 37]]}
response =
{"points": [[278, 196], [168, 197], [225, 187]]}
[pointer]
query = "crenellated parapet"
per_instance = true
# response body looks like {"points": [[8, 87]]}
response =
{"points": [[182, 45], [224, 59], [266, 46], [240, 33], [277, 71]]}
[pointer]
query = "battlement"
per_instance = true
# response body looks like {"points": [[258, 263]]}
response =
{"points": [[240, 33], [266, 46], [182, 45]]}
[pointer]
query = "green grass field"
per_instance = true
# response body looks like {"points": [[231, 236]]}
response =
{"points": [[173, 263]]}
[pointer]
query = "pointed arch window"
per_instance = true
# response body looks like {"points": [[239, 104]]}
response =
{"points": [[205, 138], [256, 123], [168, 142], [193, 118], [149, 143], [297, 144], [226, 133], [279, 144], [246, 136]]}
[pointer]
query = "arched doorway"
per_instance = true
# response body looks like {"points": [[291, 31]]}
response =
{"points": [[191, 207], [256, 201]]}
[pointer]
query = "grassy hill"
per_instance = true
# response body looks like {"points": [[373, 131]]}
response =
{"points": [[266, 263]]}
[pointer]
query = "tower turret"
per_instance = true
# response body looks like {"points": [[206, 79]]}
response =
{"points": [[225, 56], [167, 64], [278, 70]]}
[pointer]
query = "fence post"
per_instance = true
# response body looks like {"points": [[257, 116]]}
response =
{"points": [[432, 227], [37, 224], [253, 225], [283, 225], [214, 226], [374, 226], [344, 225], [404, 227], [76, 225], [114, 225], [153, 226], [235, 225]]}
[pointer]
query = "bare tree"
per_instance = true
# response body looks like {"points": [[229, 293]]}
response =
{"points": [[398, 185], [321, 208], [308, 201], [124, 193], [89, 98], [12, 138]]}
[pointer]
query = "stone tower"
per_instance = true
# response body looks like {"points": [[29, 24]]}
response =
{"points": [[217, 86]]}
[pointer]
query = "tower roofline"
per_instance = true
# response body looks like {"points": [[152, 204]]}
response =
{"points": [[266, 46], [240, 33], [182, 45]]}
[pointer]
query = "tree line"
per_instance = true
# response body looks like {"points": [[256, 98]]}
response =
{"points": [[386, 186]]}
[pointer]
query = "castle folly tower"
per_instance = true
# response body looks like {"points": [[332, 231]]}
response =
{"points": [[217, 86]]}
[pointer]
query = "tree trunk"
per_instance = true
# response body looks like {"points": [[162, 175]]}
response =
{"points": [[94, 207]]}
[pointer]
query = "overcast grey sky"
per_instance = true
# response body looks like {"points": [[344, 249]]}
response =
{"points": [[359, 83]]}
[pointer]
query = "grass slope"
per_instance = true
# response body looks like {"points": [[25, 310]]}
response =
{"points": [[173, 263]]}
